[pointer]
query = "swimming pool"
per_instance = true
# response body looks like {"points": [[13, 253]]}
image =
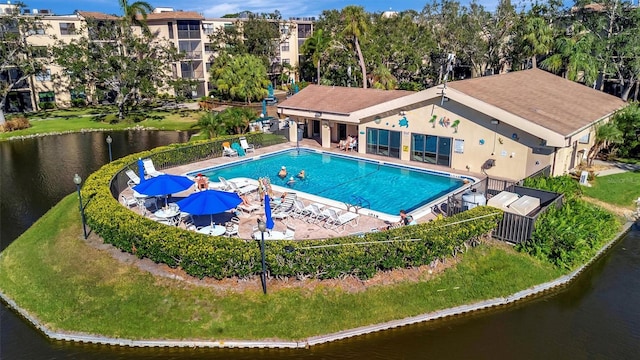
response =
{"points": [[384, 188]]}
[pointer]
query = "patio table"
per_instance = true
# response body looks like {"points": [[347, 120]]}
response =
{"points": [[212, 230]]}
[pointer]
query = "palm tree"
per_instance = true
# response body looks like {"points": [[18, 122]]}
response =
{"points": [[237, 119], [133, 12], [574, 56], [212, 124], [355, 27], [316, 45], [383, 79], [606, 135], [538, 37]]}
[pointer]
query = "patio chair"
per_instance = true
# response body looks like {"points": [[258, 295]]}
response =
{"points": [[299, 211], [290, 233], [353, 145], [128, 201], [335, 220], [287, 203], [249, 209], [231, 229], [134, 179], [150, 169], [227, 150], [246, 146], [316, 215], [242, 190]]}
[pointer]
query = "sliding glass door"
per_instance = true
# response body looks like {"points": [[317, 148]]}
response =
{"points": [[431, 149], [383, 142]]}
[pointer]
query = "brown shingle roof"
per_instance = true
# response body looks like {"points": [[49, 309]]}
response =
{"points": [[175, 15], [339, 100], [96, 15], [550, 101]]}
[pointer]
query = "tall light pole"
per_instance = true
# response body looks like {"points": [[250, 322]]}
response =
{"points": [[78, 180], [262, 226], [109, 141]]}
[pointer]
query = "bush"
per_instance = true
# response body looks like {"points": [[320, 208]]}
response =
{"points": [[47, 105], [571, 235], [78, 103], [203, 256], [564, 184], [16, 123]]}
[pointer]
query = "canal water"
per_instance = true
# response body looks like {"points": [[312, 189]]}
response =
{"points": [[597, 317]]}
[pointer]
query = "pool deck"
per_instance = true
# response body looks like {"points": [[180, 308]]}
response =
{"points": [[303, 230]]}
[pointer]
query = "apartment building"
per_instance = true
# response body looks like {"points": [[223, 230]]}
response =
{"points": [[188, 31]]}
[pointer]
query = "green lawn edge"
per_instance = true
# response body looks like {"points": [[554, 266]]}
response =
{"points": [[78, 120], [69, 286]]}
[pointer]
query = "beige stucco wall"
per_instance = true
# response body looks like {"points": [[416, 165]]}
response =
{"points": [[511, 148]]}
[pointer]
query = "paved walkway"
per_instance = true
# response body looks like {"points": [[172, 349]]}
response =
{"points": [[614, 167]]}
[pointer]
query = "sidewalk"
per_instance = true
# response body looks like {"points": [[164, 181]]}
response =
{"points": [[614, 167]]}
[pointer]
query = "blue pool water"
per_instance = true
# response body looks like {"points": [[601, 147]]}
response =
{"points": [[384, 188]]}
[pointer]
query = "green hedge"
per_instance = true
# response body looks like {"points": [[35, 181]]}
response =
{"points": [[220, 257]]}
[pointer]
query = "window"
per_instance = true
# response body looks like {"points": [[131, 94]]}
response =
{"points": [[208, 47], [170, 26], [190, 49], [188, 29], [383, 142], [39, 52], [432, 149], [304, 30], [44, 75], [67, 28], [584, 139], [78, 94], [286, 61], [208, 29], [285, 47], [47, 96]]}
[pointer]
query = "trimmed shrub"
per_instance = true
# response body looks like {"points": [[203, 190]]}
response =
{"points": [[16, 123], [220, 257]]}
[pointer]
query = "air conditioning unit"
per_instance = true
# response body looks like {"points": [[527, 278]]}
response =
{"points": [[44, 11]]}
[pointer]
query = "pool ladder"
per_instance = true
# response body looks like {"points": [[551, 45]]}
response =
{"points": [[357, 202]]}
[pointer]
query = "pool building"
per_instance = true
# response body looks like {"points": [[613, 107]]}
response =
{"points": [[505, 126]]}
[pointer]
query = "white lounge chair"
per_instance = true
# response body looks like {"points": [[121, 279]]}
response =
{"points": [[335, 220], [316, 215], [242, 190], [134, 179], [246, 146], [290, 233], [299, 211], [249, 209], [227, 150], [150, 169]]}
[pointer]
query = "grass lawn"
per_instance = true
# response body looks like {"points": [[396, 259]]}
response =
{"points": [[99, 118], [66, 284], [619, 189]]}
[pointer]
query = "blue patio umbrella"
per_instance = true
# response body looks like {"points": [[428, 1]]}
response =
{"points": [[264, 107], [270, 90], [267, 212], [209, 202], [163, 185], [141, 169]]}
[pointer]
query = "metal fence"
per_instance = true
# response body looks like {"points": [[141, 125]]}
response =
{"points": [[513, 228]]}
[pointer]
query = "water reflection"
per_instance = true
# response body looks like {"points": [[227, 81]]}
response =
{"points": [[597, 317]]}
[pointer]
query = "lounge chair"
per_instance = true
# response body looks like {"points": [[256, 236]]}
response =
{"points": [[316, 215], [249, 209], [336, 220], [134, 179], [242, 190], [299, 211], [227, 150], [246, 146], [150, 169]]}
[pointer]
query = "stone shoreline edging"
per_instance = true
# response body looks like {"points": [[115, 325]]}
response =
{"points": [[81, 131], [321, 339]]}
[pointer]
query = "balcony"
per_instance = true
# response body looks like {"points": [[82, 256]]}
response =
{"points": [[192, 55], [196, 75]]}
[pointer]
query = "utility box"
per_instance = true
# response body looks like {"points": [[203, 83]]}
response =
{"points": [[525, 205], [503, 200]]}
